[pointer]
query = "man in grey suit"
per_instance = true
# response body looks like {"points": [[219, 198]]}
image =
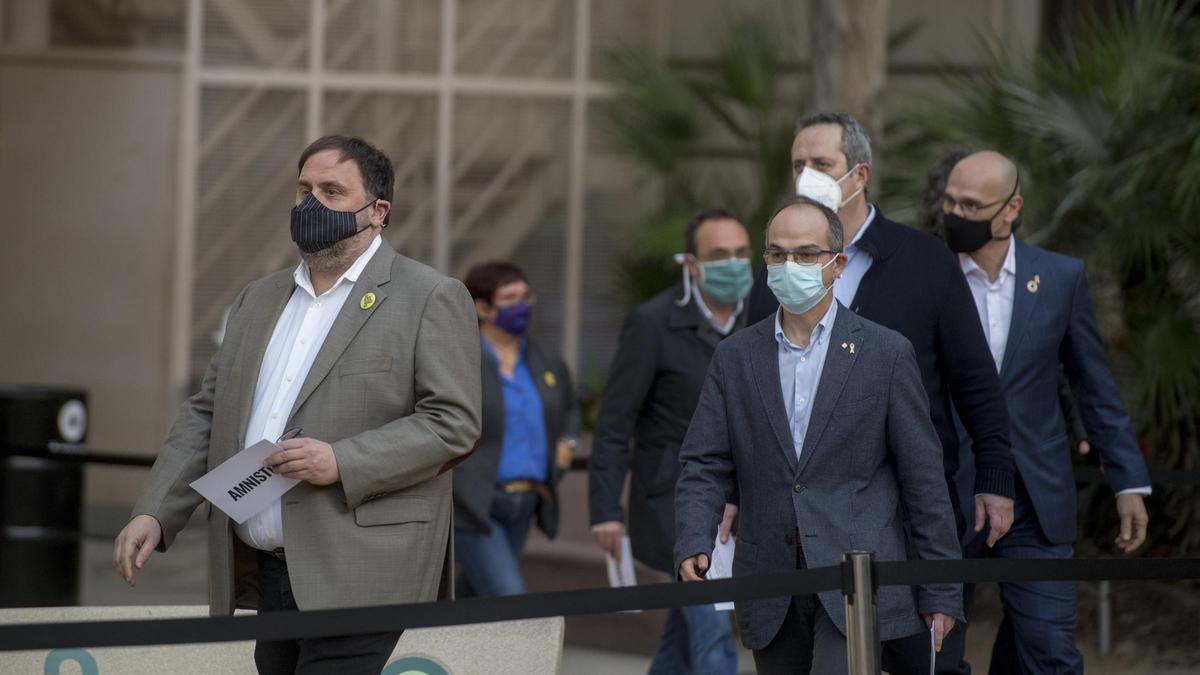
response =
{"points": [[376, 358], [817, 418]]}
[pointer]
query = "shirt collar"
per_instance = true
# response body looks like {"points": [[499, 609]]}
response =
{"points": [[863, 230], [819, 332], [303, 280], [1010, 262], [723, 330]]}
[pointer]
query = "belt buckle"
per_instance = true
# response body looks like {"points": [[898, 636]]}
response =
{"points": [[278, 553]]}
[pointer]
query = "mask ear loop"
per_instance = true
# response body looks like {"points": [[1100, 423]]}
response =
{"points": [[856, 192], [681, 258]]}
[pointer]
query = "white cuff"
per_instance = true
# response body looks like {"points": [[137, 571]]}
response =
{"points": [[1135, 491]]}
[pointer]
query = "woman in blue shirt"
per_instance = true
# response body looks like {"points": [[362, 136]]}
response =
{"points": [[530, 423]]}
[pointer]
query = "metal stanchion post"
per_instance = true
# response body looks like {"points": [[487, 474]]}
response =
{"points": [[862, 629]]}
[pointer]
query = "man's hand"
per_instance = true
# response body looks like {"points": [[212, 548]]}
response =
{"points": [[608, 537], [998, 513], [941, 624], [731, 511], [133, 546], [305, 459], [564, 452], [694, 568], [1131, 507], [1084, 447]]}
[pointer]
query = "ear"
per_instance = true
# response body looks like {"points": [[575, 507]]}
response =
{"points": [[379, 211], [863, 172], [1012, 212], [840, 265], [484, 311], [693, 267]]}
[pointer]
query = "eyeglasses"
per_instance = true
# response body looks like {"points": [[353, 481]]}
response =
{"points": [[807, 255], [970, 208]]}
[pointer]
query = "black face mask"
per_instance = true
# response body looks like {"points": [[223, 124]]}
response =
{"points": [[968, 236], [316, 227]]}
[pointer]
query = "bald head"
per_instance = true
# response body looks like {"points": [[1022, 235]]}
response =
{"points": [[985, 185], [987, 172]]}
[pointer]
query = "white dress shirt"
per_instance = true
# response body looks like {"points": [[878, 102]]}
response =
{"points": [[858, 262], [800, 372], [994, 301], [725, 329], [294, 345]]}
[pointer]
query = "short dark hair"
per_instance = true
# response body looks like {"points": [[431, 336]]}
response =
{"points": [[831, 218], [693, 226], [856, 144], [935, 188], [484, 279], [375, 167]]}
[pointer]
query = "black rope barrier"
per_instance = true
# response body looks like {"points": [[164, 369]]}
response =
{"points": [[333, 622], [71, 452]]}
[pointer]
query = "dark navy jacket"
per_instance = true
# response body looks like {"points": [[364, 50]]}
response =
{"points": [[1052, 323]]}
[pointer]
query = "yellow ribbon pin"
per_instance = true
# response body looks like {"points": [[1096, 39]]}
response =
{"points": [[851, 347], [1033, 284], [550, 379], [367, 301]]}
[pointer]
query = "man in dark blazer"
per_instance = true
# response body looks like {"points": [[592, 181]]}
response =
{"points": [[1036, 313], [907, 281], [654, 383], [818, 419]]}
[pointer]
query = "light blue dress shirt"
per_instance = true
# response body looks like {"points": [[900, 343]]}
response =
{"points": [[858, 262], [800, 372]]}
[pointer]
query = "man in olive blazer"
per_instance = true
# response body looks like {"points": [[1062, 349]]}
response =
{"points": [[393, 390]]}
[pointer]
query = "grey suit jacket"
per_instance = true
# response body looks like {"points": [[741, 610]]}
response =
{"points": [[395, 391], [871, 458]]}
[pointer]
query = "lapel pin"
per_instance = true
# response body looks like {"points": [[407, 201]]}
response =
{"points": [[367, 301], [1033, 284], [844, 345], [550, 380], [851, 347]]}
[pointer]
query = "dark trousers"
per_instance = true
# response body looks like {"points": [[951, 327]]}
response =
{"points": [[366, 654], [911, 654], [1037, 634], [807, 643]]}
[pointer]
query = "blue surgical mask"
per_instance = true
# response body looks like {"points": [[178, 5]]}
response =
{"points": [[727, 282], [797, 287]]}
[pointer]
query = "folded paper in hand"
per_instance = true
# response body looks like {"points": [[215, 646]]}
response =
{"points": [[241, 486], [720, 566]]}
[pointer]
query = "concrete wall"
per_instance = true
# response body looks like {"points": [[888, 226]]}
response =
{"points": [[87, 176]]}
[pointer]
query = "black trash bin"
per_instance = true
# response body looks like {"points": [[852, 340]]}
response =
{"points": [[40, 495]]}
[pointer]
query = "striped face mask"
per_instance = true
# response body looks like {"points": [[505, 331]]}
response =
{"points": [[316, 227]]}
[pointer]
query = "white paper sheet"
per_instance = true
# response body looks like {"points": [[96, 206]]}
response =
{"points": [[720, 566], [621, 573], [241, 486], [932, 650]]}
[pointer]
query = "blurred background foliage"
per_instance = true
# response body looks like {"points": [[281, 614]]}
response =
{"points": [[1103, 121]]}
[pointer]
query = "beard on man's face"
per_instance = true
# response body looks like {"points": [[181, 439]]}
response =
{"points": [[339, 257]]}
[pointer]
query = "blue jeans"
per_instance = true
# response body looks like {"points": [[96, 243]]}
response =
{"points": [[696, 639], [489, 559]]}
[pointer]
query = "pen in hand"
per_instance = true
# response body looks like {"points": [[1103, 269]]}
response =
{"points": [[288, 435]]}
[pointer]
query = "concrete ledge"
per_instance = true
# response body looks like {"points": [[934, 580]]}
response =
{"points": [[505, 648]]}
